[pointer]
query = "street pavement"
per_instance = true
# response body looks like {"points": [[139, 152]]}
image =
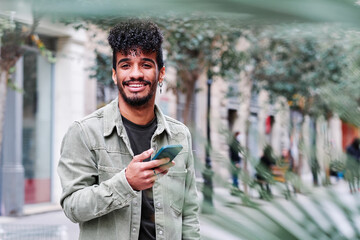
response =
{"points": [[57, 218], [62, 228], [68, 230]]}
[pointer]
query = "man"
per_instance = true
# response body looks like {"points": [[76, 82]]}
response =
{"points": [[109, 185]]}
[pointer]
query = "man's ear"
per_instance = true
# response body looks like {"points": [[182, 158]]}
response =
{"points": [[161, 74], [114, 76]]}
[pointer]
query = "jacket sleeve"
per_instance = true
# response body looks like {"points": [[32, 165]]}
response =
{"points": [[191, 225], [83, 198]]}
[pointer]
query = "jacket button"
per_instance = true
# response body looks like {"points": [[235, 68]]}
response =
{"points": [[158, 205], [160, 232], [134, 229]]}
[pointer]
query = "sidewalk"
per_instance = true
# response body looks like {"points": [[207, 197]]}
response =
{"points": [[61, 228], [64, 229]]}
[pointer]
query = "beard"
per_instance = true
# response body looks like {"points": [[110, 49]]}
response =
{"points": [[137, 101]]}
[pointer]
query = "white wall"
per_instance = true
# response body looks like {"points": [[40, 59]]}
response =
{"points": [[75, 93]]}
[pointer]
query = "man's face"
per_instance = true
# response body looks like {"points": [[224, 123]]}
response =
{"points": [[136, 76]]}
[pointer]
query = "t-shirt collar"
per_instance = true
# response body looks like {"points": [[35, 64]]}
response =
{"points": [[112, 118]]}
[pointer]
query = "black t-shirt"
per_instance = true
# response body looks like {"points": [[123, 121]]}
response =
{"points": [[140, 141]]}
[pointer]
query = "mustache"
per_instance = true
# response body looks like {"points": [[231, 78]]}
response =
{"points": [[137, 81]]}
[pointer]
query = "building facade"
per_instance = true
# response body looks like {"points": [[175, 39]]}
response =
{"points": [[50, 96]]}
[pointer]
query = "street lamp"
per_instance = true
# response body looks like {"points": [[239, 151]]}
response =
{"points": [[208, 206]]}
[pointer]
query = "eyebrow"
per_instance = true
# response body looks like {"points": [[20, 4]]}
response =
{"points": [[123, 60], [149, 60], [143, 59]]}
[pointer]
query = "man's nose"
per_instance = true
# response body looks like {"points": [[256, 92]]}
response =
{"points": [[136, 73]]}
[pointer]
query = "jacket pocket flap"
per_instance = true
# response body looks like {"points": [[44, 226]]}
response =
{"points": [[177, 173], [109, 169]]}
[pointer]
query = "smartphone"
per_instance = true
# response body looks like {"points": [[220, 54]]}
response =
{"points": [[168, 151]]}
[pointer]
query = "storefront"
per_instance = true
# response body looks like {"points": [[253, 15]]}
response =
{"points": [[28, 128], [45, 98]]}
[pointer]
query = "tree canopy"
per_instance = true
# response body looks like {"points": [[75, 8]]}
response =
{"points": [[195, 45], [301, 66]]}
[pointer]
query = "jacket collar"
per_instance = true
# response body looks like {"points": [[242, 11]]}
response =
{"points": [[112, 118]]}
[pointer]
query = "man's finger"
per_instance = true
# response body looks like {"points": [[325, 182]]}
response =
{"points": [[156, 163], [142, 156], [165, 167]]}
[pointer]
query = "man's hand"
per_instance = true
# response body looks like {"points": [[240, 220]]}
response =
{"points": [[142, 175]]}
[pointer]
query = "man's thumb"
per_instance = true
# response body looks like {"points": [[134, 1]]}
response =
{"points": [[144, 155]]}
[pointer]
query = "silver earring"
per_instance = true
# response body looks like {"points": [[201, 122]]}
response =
{"points": [[160, 85]]}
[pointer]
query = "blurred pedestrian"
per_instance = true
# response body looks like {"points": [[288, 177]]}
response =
{"points": [[235, 157], [263, 171], [288, 162], [352, 173]]}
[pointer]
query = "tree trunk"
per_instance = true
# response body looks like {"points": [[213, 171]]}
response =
{"points": [[188, 99], [189, 79], [247, 88], [298, 146], [3, 91], [328, 152], [314, 164]]}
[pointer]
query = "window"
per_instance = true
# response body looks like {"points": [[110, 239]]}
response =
{"points": [[37, 102]]}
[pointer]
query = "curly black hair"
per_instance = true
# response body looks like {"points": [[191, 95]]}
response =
{"points": [[135, 34]]}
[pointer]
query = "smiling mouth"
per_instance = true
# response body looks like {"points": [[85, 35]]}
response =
{"points": [[136, 84]]}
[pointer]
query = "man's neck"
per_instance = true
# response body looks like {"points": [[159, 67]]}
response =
{"points": [[139, 115]]}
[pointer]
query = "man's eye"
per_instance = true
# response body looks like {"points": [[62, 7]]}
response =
{"points": [[146, 65], [124, 65]]}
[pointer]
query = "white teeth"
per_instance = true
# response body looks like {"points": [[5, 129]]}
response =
{"points": [[136, 85]]}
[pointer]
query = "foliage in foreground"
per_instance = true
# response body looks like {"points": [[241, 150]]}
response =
{"points": [[323, 214], [294, 210], [319, 213]]}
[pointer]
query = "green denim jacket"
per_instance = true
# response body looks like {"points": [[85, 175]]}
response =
{"points": [[94, 154]]}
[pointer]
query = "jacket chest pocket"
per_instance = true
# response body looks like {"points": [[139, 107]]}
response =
{"points": [[175, 189], [110, 164], [105, 173]]}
